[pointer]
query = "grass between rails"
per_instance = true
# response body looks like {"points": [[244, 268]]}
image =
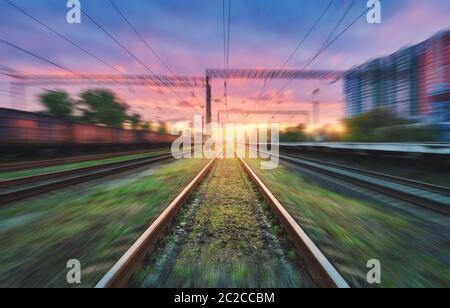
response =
{"points": [[65, 167], [413, 251], [96, 226], [225, 237]]}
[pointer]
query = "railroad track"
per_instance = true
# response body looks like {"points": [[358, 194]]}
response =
{"points": [[321, 271], [425, 195], [60, 161], [59, 174], [421, 185], [19, 189]]}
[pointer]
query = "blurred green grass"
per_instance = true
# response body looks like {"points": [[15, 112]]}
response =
{"points": [[226, 241], [95, 226], [414, 252], [65, 167]]}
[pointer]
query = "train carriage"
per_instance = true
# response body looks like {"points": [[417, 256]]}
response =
{"points": [[155, 138], [21, 131], [19, 127], [85, 134], [125, 136]]}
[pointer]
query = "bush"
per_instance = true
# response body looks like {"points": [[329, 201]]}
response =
{"points": [[380, 125], [293, 134], [406, 133]]}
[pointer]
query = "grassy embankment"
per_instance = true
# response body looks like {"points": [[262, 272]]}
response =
{"points": [[95, 225], [414, 251], [65, 167]]}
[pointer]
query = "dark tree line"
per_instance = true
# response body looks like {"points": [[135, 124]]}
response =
{"points": [[96, 106], [380, 125], [294, 134]]}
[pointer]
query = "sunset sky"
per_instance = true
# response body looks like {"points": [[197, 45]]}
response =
{"points": [[188, 36]]}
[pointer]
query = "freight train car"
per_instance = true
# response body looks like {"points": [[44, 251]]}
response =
{"points": [[146, 137], [19, 128], [22, 131], [125, 136], [85, 134]]}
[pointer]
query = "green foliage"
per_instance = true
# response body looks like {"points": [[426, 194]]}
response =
{"points": [[362, 128], [57, 103], [135, 120], [96, 106], [57, 227], [102, 107], [147, 126], [293, 134], [71, 166], [380, 125], [411, 133], [163, 128], [352, 229]]}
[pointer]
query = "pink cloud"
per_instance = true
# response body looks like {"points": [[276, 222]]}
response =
{"points": [[186, 104]]}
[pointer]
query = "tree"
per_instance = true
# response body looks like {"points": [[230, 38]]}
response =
{"points": [[362, 128], [293, 134], [163, 128], [57, 103], [135, 120], [147, 126], [102, 107], [406, 133]]}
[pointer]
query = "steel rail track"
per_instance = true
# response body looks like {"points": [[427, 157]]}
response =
{"points": [[320, 268], [323, 270], [132, 260], [421, 185], [66, 160], [72, 177], [59, 174], [403, 191]]}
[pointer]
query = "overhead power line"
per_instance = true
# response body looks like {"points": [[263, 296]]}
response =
{"points": [[62, 36], [226, 46], [5, 42], [65, 38], [7, 71], [297, 48], [140, 36], [147, 44], [128, 51], [329, 37], [339, 23], [229, 35], [308, 34], [321, 51]]}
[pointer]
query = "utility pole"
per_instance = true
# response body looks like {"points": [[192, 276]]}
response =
{"points": [[316, 114], [208, 103]]}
